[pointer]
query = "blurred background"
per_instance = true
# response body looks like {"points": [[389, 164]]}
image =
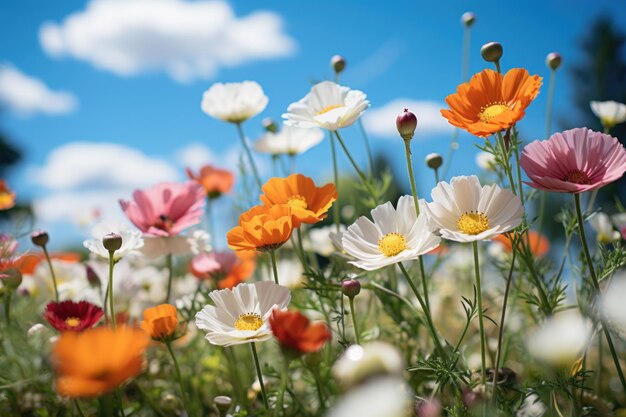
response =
{"points": [[101, 97]]}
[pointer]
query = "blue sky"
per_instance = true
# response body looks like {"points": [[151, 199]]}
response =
{"points": [[404, 49]]}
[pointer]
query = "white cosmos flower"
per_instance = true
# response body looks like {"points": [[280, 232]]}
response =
{"points": [[241, 315], [289, 141], [466, 211], [561, 339], [327, 105], [199, 242], [358, 363], [612, 303], [394, 236], [131, 240], [610, 113], [381, 397], [321, 239], [486, 161], [234, 102], [605, 232]]}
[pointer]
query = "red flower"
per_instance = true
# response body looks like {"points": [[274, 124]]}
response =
{"points": [[296, 334], [72, 316]]}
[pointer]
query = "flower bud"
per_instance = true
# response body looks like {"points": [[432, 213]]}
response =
{"points": [[40, 238], [92, 277], [313, 359], [351, 288], [406, 122], [269, 125], [12, 278], [338, 63], [468, 19], [223, 404], [434, 160], [491, 52], [554, 60], [169, 402], [429, 408], [35, 329], [112, 242]]}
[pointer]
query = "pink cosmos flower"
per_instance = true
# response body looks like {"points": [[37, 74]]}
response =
{"points": [[226, 268], [574, 161], [165, 209]]}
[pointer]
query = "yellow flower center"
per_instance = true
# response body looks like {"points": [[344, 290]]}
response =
{"points": [[72, 321], [248, 321], [6, 199], [329, 108], [392, 244], [489, 112], [473, 223], [577, 177], [297, 201]]}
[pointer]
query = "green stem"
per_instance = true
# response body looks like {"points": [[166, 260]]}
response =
{"points": [[519, 174], [318, 386], [480, 315], [169, 262], [550, 101], [506, 162], [436, 176], [366, 141], [179, 377], [240, 395], [257, 364], [7, 307], [283, 386], [353, 315], [246, 148], [355, 166], [150, 401], [498, 66], [54, 277], [596, 284], [336, 213], [110, 288], [78, 409], [274, 267]]}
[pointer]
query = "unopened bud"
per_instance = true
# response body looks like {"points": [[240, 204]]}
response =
{"points": [[12, 278], [338, 63], [406, 122], [429, 408], [112, 242], [40, 238], [351, 288], [36, 328], [491, 52], [169, 402], [269, 125], [468, 19], [223, 404], [313, 359], [434, 160], [92, 277], [554, 60]]}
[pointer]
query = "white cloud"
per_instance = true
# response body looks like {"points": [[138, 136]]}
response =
{"points": [[381, 121], [188, 40], [27, 95], [195, 155]]}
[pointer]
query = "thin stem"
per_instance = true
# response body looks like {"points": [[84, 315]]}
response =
{"points": [[249, 154], [150, 401], [355, 166], [336, 213], [110, 288], [274, 268], [596, 284], [229, 352], [170, 267], [318, 386], [480, 314], [366, 141], [353, 315], [550, 101], [519, 174], [498, 66], [436, 175], [257, 364], [283, 386], [506, 162], [78, 409], [7, 307], [183, 394], [54, 277], [292, 163]]}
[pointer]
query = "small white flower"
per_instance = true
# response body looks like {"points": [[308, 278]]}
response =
{"points": [[131, 240], [532, 407], [199, 242], [165, 245], [241, 315], [394, 236], [360, 362], [290, 273], [612, 303], [289, 141], [327, 105], [35, 329], [486, 161], [234, 102], [560, 340], [381, 397], [610, 113], [467, 212], [321, 239], [601, 223]]}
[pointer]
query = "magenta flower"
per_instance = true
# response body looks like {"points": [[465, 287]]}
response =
{"points": [[165, 209], [574, 161]]}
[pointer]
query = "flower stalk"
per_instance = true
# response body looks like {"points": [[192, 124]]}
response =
{"points": [[246, 148], [257, 364], [480, 314], [179, 377]]}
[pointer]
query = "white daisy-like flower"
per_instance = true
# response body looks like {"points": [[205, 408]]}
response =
{"points": [[486, 161], [358, 363], [465, 211], [289, 141], [605, 233], [131, 240], [199, 242], [234, 102], [395, 235], [381, 397], [532, 407], [327, 105], [610, 113], [320, 239], [241, 315], [612, 303]]}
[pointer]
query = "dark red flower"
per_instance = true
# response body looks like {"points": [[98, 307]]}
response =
{"points": [[296, 334], [71, 316]]}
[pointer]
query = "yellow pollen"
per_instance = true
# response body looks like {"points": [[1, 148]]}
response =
{"points": [[297, 201], [329, 108], [577, 177], [473, 223], [392, 244], [5, 199], [489, 112], [249, 321], [72, 321]]}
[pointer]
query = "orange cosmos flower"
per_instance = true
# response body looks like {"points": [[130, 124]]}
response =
{"points": [[263, 228], [215, 181], [538, 244], [160, 322], [7, 197], [491, 102], [296, 334], [97, 360], [308, 202]]}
